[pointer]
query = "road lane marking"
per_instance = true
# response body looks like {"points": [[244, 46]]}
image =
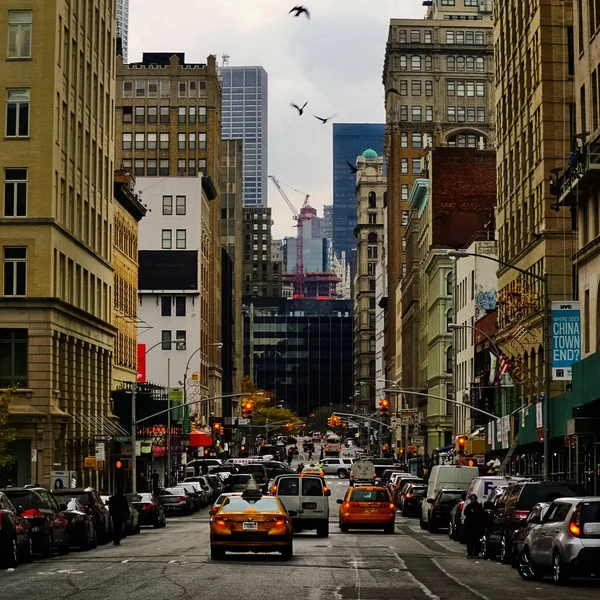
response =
{"points": [[467, 587], [420, 584], [125, 561], [356, 563]]}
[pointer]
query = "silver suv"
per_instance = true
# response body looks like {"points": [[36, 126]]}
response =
{"points": [[565, 543], [337, 466]]}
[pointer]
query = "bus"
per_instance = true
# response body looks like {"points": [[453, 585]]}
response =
{"points": [[333, 445]]}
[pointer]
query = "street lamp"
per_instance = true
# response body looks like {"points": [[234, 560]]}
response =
{"points": [[133, 417], [267, 419], [543, 279]]}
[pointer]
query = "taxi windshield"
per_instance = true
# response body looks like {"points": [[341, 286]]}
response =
{"points": [[239, 504], [370, 496]]}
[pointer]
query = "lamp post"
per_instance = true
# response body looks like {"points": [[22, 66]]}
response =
{"points": [[267, 419], [547, 341], [133, 418]]}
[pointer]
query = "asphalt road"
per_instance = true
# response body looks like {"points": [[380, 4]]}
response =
{"points": [[174, 563]]}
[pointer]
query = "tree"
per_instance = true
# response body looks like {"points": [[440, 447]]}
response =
{"points": [[319, 421], [7, 434]]}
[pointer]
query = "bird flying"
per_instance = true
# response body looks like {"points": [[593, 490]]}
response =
{"points": [[299, 10], [323, 121], [353, 169], [300, 109]]}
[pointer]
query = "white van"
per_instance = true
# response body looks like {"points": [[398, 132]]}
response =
{"points": [[445, 476], [363, 471], [482, 486], [308, 497]]}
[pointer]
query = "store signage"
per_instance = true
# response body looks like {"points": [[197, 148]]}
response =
{"points": [[141, 360], [566, 339]]}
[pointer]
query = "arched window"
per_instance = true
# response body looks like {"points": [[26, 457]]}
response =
{"points": [[372, 238], [403, 63], [372, 200], [415, 63], [449, 319], [460, 63], [470, 63], [451, 63], [449, 359], [449, 283], [479, 64]]}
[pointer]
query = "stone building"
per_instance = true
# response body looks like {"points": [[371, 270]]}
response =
{"points": [[370, 202], [56, 307], [168, 124]]}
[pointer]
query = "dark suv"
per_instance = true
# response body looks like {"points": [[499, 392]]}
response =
{"points": [[259, 472], [48, 524], [521, 498], [94, 506], [15, 536]]}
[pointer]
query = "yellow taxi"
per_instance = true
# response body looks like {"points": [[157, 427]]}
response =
{"points": [[367, 506], [251, 522], [312, 470]]}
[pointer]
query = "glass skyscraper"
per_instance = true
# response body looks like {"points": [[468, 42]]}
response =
{"points": [[123, 27], [245, 114], [349, 141]]}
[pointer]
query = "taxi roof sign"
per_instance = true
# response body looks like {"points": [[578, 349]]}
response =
{"points": [[251, 490]]}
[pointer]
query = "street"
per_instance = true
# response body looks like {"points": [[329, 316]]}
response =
{"points": [[174, 563]]}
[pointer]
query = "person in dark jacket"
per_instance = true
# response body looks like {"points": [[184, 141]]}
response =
{"points": [[474, 525], [118, 508]]}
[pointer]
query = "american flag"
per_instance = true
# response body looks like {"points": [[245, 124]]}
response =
{"points": [[504, 364]]}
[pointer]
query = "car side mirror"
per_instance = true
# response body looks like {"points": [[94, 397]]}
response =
{"points": [[340, 501], [328, 492], [430, 500], [62, 506], [292, 513]]}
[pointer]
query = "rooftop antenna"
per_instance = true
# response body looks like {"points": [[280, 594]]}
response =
{"points": [[225, 58]]}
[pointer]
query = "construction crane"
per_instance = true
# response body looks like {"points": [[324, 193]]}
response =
{"points": [[299, 217]]}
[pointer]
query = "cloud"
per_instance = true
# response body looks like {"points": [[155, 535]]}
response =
{"points": [[334, 61]]}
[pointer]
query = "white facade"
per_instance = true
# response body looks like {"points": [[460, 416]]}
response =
{"points": [[176, 311], [123, 25], [475, 293]]}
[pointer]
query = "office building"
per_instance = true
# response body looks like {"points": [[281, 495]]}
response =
{"points": [[437, 75], [370, 201], [123, 28], [245, 117], [316, 248], [300, 351], [168, 124], [349, 141], [327, 221], [56, 312]]}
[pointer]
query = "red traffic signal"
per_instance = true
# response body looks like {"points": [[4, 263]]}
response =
{"points": [[384, 407], [247, 409]]}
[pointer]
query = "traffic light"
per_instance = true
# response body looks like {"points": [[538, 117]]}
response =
{"points": [[287, 426], [384, 408], [122, 463], [330, 421], [247, 409], [461, 442], [217, 427]]}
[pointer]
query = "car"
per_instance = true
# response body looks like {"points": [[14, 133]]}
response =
{"points": [[198, 487], [455, 531], [15, 535], [521, 498], [201, 466], [150, 510], [215, 507], [534, 518], [440, 507], [367, 506], [48, 525], [196, 496], [494, 514], [93, 505], [216, 485], [275, 467], [81, 529], [387, 475], [337, 466], [410, 499], [204, 487], [132, 522], [259, 472], [251, 522], [175, 500], [224, 470], [565, 543], [362, 472], [401, 482], [312, 469], [237, 483], [307, 496]]}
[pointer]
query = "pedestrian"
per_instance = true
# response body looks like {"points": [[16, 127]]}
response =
{"points": [[474, 525], [310, 455], [155, 482], [322, 455], [300, 467], [118, 508], [290, 456]]}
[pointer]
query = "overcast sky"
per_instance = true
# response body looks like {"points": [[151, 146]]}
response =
{"points": [[334, 61]]}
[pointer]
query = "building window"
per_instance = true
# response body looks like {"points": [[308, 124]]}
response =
{"points": [[202, 114], [449, 37], [140, 88], [15, 192], [372, 219], [192, 141], [415, 88], [128, 114], [479, 64], [415, 36], [152, 114], [181, 114], [163, 167], [429, 87], [481, 88], [481, 115], [429, 114], [153, 89], [191, 114], [180, 335], [15, 271], [403, 244], [470, 63], [402, 37], [460, 63], [164, 114], [415, 63], [372, 238], [139, 141], [451, 114], [404, 188], [128, 89], [429, 63], [167, 239], [404, 166], [164, 141], [460, 37], [140, 114], [180, 239], [201, 141], [403, 63], [165, 306], [450, 63], [449, 359], [417, 140], [371, 251], [404, 113], [449, 282], [450, 88], [166, 339], [403, 140], [151, 167], [449, 319], [127, 137], [167, 205], [180, 306], [181, 141], [404, 88], [371, 268], [181, 167], [191, 167], [180, 202], [372, 200], [417, 168], [201, 165], [427, 36], [165, 88], [19, 33], [417, 114], [17, 112], [139, 167], [405, 216]]}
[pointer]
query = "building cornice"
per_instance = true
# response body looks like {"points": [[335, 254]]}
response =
{"points": [[419, 195]]}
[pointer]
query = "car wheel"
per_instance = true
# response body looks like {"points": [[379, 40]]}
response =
{"points": [[403, 511], [486, 551], [431, 526], [505, 552], [389, 529], [216, 553], [342, 473], [526, 570], [156, 523], [323, 529], [451, 530], [11, 559], [288, 552], [560, 571], [48, 546], [422, 523]]}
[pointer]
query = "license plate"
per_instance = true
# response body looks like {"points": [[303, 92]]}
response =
{"points": [[309, 505], [368, 509], [251, 526]]}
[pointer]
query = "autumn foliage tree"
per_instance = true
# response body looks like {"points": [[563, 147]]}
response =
{"points": [[7, 434]]}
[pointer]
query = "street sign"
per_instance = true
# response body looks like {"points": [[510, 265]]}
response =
{"points": [[89, 462], [122, 439], [480, 458], [100, 451], [418, 440], [175, 394], [126, 450]]}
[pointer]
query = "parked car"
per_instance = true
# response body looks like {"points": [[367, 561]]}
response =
{"points": [[522, 497], [47, 523], [535, 517], [494, 515], [15, 535], [93, 505], [565, 543], [81, 529], [387, 476], [401, 482], [455, 525], [204, 487], [150, 510], [132, 522], [216, 485], [438, 516], [176, 500], [410, 499], [337, 466], [194, 493]]}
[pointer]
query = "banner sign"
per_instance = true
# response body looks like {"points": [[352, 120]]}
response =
{"points": [[141, 363], [566, 339]]}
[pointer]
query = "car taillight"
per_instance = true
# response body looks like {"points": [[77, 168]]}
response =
{"points": [[326, 448], [409, 496], [339, 447], [32, 512], [148, 507], [575, 524], [181, 499], [325, 489], [220, 522], [351, 473], [392, 505], [521, 514], [279, 523], [574, 529], [374, 475]]}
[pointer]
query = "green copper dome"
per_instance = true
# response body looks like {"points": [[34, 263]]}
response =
{"points": [[369, 154]]}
